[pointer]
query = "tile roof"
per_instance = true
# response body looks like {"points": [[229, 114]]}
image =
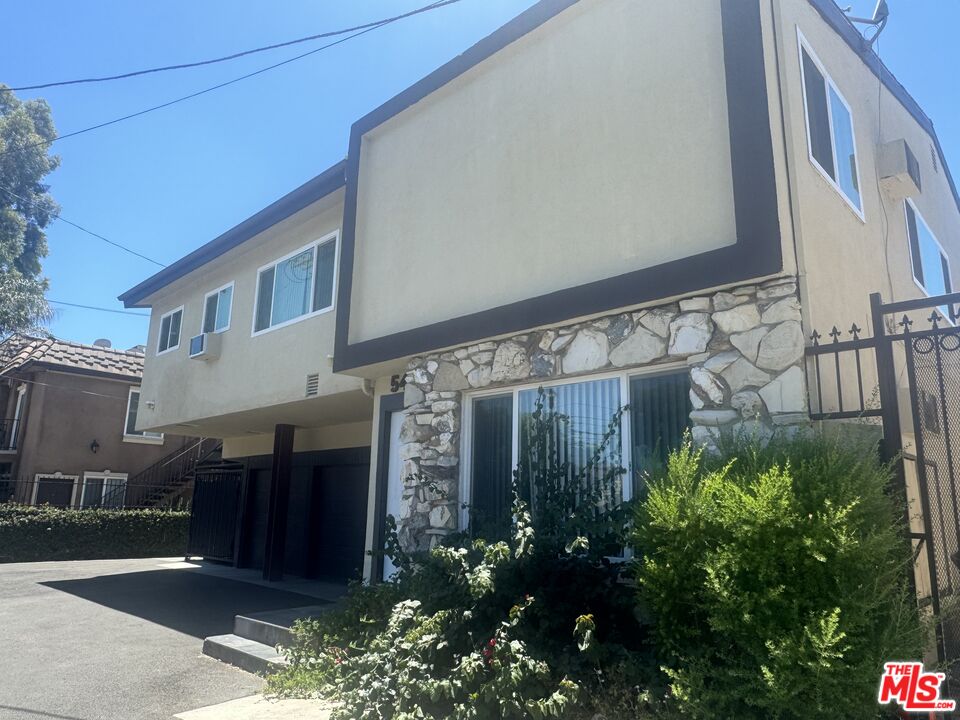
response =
{"points": [[18, 351]]}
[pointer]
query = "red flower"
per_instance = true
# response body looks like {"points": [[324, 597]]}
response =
{"points": [[493, 642]]}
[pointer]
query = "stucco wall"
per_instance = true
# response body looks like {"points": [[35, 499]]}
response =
{"points": [[61, 422], [843, 258], [595, 145], [347, 435], [252, 372]]}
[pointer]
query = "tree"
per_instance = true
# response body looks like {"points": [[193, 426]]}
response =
{"points": [[26, 208]]}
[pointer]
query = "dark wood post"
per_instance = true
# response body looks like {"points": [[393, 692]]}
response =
{"points": [[279, 502]]}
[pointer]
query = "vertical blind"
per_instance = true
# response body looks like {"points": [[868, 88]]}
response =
{"points": [[323, 290], [589, 407], [491, 464], [291, 287], [659, 417]]}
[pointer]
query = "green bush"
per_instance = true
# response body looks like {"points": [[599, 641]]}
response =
{"points": [[29, 534], [533, 623], [777, 580]]}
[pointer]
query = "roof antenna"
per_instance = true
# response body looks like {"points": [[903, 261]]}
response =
{"points": [[879, 20]]}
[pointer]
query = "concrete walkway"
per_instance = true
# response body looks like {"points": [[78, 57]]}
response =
{"points": [[120, 639], [256, 707]]}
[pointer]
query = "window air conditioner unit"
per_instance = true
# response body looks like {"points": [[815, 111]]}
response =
{"points": [[899, 170], [205, 346]]}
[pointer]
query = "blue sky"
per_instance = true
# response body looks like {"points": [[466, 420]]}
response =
{"points": [[169, 181]]}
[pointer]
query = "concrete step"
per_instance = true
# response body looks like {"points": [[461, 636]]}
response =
{"points": [[249, 655], [273, 627]]}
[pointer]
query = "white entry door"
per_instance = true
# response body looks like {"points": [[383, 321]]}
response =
{"points": [[394, 481]]}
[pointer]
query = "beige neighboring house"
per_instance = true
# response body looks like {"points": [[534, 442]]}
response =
{"points": [[643, 203], [68, 432]]}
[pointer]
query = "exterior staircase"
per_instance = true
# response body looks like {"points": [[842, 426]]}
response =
{"points": [[253, 644], [169, 481]]}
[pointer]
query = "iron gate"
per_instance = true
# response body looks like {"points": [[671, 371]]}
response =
{"points": [[914, 354], [215, 512]]}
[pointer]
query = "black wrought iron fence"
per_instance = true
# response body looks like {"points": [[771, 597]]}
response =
{"points": [[913, 354], [69, 491]]}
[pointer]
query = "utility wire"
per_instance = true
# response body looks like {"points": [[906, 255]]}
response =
{"points": [[59, 217], [66, 388], [100, 309], [433, 6], [243, 53]]}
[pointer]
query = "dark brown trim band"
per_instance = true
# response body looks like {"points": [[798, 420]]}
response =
{"points": [[757, 251]]}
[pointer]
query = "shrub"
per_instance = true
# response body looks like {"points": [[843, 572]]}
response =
{"points": [[777, 580], [49, 533], [531, 623]]}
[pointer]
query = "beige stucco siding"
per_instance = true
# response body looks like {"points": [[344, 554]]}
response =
{"points": [[347, 435], [595, 145], [252, 374], [845, 258]]}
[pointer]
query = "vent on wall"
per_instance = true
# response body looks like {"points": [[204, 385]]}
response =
{"points": [[313, 384], [933, 157]]}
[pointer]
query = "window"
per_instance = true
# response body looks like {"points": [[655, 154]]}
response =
{"points": [[830, 138], [216, 309], [170, 331], [106, 489], [130, 432], [54, 489], [296, 286], [10, 431], [499, 431], [931, 268]]}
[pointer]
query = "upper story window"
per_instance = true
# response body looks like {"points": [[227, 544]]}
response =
{"points": [[217, 305], [931, 268], [130, 432], [170, 331], [297, 285], [830, 137]]}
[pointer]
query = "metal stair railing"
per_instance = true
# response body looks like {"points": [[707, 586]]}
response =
{"points": [[164, 479]]}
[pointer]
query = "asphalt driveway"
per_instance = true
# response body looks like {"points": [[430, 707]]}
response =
{"points": [[119, 639]]}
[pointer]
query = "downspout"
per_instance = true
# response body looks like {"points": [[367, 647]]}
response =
{"points": [[794, 225]]}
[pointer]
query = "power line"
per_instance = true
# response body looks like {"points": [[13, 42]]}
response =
{"points": [[59, 217], [67, 388], [433, 6], [234, 56], [101, 309]]}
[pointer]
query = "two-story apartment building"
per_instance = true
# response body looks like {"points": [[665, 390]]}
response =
{"points": [[627, 202], [68, 435]]}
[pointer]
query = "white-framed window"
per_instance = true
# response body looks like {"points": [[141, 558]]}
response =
{"points": [[10, 432], [831, 141], [217, 307], [496, 422], [169, 338], [296, 286], [103, 489], [130, 432], [928, 260], [55, 489]]}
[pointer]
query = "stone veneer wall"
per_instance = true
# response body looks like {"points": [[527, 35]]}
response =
{"points": [[744, 349]]}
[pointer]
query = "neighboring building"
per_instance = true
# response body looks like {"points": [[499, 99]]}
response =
{"points": [[68, 433], [643, 203]]}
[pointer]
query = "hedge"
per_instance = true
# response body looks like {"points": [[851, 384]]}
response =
{"points": [[29, 534]]}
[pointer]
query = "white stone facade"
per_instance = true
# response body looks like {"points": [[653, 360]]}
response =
{"points": [[744, 349]]}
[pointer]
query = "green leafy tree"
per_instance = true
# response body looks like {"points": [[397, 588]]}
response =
{"points": [[26, 208]]}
